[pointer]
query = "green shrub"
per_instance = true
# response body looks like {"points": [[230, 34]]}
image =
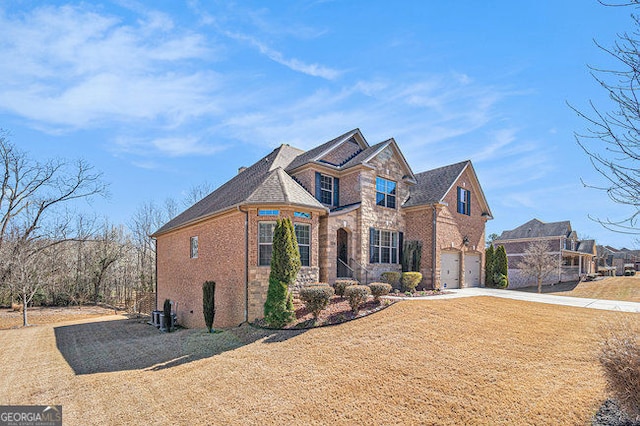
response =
{"points": [[620, 359], [500, 263], [167, 314], [489, 255], [392, 278], [341, 285], [209, 303], [357, 294], [500, 280], [410, 280], [316, 297], [285, 265], [278, 309], [379, 289]]}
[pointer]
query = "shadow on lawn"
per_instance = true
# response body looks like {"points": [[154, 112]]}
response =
{"points": [[131, 344]]}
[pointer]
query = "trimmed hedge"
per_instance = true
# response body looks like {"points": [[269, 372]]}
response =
{"points": [[379, 289], [316, 297], [392, 278], [410, 280], [357, 294], [341, 285]]}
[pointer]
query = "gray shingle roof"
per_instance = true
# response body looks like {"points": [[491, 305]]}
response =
{"points": [[586, 246], [310, 155], [265, 182], [433, 185], [537, 229]]}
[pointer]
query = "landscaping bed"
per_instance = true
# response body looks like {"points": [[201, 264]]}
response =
{"points": [[337, 312]]}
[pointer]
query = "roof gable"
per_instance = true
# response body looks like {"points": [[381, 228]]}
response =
{"points": [[433, 185], [537, 229], [316, 154]]}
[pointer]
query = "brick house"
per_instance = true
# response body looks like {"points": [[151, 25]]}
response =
{"points": [[574, 258], [354, 207]]}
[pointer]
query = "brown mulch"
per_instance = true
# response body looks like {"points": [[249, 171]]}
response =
{"points": [[337, 312]]}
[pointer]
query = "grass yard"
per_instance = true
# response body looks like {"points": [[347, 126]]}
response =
{"points": [[610, 288], [47, 315], [474, 360]]}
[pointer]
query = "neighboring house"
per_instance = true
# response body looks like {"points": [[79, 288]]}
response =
{"points": [[612, 261], [574, 257], [354, 207]]}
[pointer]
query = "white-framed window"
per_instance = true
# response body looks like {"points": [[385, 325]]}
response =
{"points": [[326, 189], [303, 235], [193, 252], [464, 201], [265, 242], [383, 247], [385, 193]]}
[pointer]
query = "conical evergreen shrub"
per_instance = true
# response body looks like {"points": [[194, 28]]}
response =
{"points": [[285, 265], [489, 255], [209, 303]]}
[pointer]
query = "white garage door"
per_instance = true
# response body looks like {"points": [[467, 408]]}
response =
{"points": [[472, 270], [450, 270]]}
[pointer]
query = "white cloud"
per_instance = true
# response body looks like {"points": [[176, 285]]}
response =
{"points": [[75, 68], [166, 146], [314, 70]]}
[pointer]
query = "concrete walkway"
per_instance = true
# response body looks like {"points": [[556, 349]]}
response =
{"points": [[608, 305]]}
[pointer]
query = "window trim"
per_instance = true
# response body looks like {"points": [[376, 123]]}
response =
{"points": [[464, 203], [376, 250], [308, 245], [261, 244], [387, 195], [323, 191], [193, 248]]}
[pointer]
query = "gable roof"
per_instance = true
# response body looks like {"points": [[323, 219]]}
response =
{"points": [[265, 182], [433, 185], [537, 229], [586, 246], [315, 154]]}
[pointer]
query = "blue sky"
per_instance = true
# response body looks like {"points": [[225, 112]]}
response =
{"points": [[165, 95]]}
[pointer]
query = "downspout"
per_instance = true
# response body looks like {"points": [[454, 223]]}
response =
{"points": [[155, 278], [433, 248], [246, 264]]}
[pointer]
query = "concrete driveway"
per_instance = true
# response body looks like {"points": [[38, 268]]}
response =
{"points": [[608, 305]]}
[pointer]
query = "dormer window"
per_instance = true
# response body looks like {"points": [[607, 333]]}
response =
{"points": [[385, 193], [327, 189]]}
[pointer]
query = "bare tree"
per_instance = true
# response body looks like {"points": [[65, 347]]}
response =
{"points": [[612, 138], [31, 221], [537, 263], [197, 193]]}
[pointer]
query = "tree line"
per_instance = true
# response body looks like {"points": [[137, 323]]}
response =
{"points": [[53, 255]]}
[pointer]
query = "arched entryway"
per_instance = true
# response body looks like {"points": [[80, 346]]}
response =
{"points": [[342, 260]]}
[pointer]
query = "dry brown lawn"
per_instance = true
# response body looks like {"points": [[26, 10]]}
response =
{"points": [[475, 360], [47, 315], [611, 288]]}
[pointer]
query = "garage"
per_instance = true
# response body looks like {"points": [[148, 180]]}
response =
{"points": [[450, 270], [472, 270]]}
